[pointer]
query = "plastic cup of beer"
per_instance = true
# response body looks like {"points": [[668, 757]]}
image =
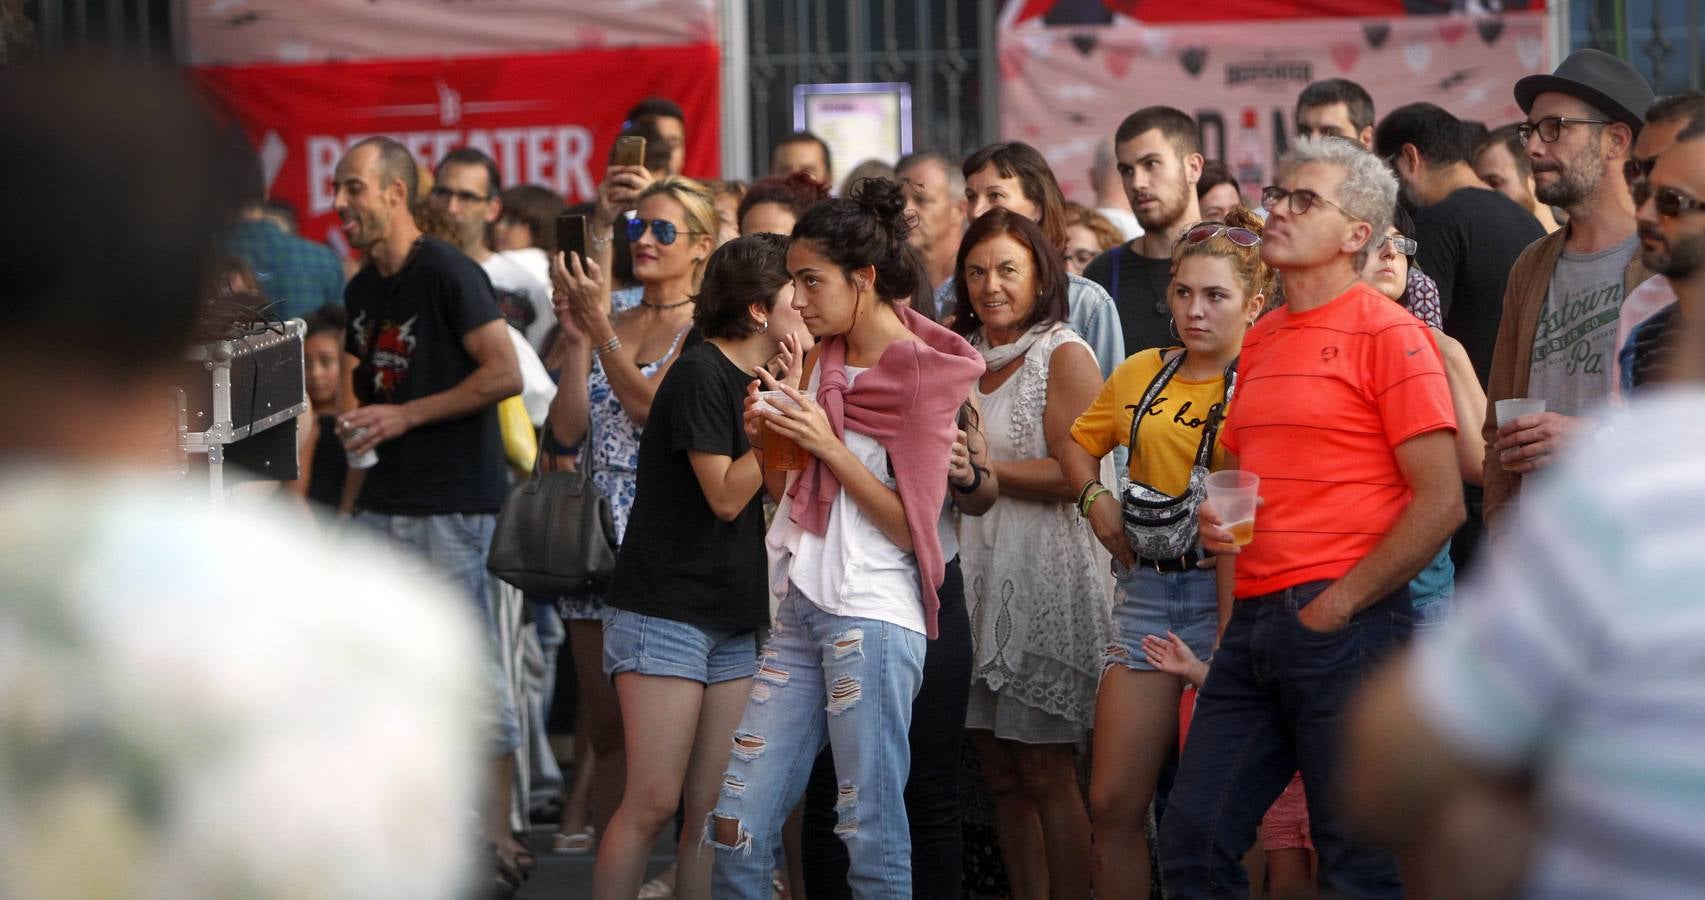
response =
{"points": [[1514, 408], [364, 460], [1232, 493], [779, 450]]}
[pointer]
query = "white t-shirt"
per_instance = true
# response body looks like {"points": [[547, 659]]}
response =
{"points": [[852, 569], [520, 293], [537, 388], [218, 667], [1124, 220]]}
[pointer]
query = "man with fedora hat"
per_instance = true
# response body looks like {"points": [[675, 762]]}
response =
{"points": [[1556, 339]]}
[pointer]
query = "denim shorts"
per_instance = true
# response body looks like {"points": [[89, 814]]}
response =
{"points": [[1150, 602], [650, 645]]}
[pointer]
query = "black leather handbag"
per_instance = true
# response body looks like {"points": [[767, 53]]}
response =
{"points": [[555, 534]]}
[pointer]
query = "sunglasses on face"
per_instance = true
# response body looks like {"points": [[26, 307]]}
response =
{"points": [[1635, 171], [445, 195], [1669, 202], [1550, 128], [661, 229], [1404, 245], [1301, 201], [1207, 231]]}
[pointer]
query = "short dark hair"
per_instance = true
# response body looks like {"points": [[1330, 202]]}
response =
{"points": [[1215, 173], [1339, 90], [1439, 136], [120, 300], [330, 317], [1687, 106], [1051, 283], [744, 271], [472, 156], [536, 207], [798, 192], [1016, 159], [1506, 135], [868, 227], [657, 106], [395, 164], [658, 153], [1176, 124], [806, 137]]}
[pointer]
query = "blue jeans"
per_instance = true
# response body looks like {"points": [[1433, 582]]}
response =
{"points": [[455, 546], [823, 678], [1150, 602], [653, 645], [1272, 706]]}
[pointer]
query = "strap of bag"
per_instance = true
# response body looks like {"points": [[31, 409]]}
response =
{"points": [[1216, 416], [1117, 258], [1155, 385]]}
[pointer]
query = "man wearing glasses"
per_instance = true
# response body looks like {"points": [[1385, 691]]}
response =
{"points": [[1653, 301], [1556, 340], [1344, 412], [465, 189]]}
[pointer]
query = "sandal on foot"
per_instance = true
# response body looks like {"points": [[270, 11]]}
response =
{"points": [[655, 889], [572, 844]]}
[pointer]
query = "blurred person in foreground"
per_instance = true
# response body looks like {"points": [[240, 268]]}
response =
{"points": [[147, 751], [1551, 729], [1344, 412]]}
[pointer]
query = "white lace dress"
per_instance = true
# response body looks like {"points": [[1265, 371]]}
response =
{"points": [[1039, 588]]}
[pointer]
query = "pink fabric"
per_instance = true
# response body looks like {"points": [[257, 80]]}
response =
{"points": [[907, 403]]}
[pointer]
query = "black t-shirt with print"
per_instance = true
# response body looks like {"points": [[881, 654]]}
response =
{"points": [[1469, 240], [407, 330], [1140, 297], [678, 560]]}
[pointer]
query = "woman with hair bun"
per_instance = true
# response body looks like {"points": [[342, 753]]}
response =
{"points": [[855, 549], [1166, 406]]}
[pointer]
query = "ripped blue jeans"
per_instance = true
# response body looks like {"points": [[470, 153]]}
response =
{"points": [[822, 678]]}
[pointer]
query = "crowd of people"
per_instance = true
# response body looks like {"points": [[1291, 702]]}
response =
{"points": [[974, 542]]}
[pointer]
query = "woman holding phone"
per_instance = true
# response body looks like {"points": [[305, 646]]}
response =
{"points": [[854, 548]]}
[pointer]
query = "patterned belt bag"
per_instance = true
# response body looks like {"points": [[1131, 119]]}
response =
{"points": [[1159, 525]]}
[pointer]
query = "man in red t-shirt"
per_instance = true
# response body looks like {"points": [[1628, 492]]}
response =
{"points": [[1343, 410]]}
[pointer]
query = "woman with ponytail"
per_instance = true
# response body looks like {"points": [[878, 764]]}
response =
{"points": [[855, 550], [1178, 596]]}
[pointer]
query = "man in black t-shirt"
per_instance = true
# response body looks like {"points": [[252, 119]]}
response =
{"points": [[427, 357], [1469, 234], [1159, 154]]}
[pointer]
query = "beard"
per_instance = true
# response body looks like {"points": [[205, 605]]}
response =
{"points": [[1680, 260], [1577, 177], [1168, 209]]}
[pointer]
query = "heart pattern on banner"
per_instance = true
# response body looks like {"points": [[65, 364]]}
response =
{"points": [[1194, 59], [1117, 60], [1489, 30], [1452, 30], [1344, 56], [1085, 44], [1376, 34], [1417, 57]]}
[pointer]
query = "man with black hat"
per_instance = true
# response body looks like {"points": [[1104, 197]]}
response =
{"points": [[1556, 339]]}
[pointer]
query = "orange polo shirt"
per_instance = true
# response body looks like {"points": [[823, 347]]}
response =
{"points": [[1323, 398]]}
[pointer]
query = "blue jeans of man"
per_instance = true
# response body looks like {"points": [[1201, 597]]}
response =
{"points": [[455, 547], [1272, 705], [822, 678]]}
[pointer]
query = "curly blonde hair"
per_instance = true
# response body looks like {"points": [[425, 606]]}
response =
{"points": [[1256, 276]]}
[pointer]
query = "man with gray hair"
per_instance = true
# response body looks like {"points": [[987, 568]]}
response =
{"points": [[1344, 413], [935, 195]]}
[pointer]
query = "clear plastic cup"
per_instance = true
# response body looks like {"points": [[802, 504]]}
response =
{"points": [[364, 460], [779, 450], [1232, 493], [1516, 407]]}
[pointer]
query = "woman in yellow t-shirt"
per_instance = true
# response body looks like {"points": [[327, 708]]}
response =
{"points": [[1219, 286]]}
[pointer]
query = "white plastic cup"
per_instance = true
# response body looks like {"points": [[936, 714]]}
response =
{"points": [[1232, 493], [366, 460], [1516, 407]]}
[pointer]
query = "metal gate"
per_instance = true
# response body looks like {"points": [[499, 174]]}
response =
{"points": [[56, 27], [1659, 37], [945, 49]]}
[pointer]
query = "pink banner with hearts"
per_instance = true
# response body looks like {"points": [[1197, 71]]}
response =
{"points": [[1063, 88], [248, 32]]}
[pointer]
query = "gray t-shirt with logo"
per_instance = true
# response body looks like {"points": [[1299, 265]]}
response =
{"points": [[1575, 344]]}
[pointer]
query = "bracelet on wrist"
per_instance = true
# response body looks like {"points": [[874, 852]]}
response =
{"points": [[599, 242], [609, 346], [1089, 501], [976, 481], [1083, 492]]}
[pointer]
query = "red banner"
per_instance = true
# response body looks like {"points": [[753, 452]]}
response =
{"points": [[547, 119]]}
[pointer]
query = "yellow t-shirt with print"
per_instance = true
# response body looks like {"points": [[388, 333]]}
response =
{"points": [[1169, 436]]}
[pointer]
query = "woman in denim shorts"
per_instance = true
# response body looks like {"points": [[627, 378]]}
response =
{"points": [[689, 591], [1218, 288]]}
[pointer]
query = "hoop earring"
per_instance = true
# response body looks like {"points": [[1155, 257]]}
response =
{"points": [[763, 325], [1172, 326]]}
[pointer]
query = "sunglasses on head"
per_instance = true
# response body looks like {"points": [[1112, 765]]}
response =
{"points": [[1207, 231], [661, 229], [1668, 201]]}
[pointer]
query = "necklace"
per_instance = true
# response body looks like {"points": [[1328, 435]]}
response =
{"points": [[676, 305]]}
